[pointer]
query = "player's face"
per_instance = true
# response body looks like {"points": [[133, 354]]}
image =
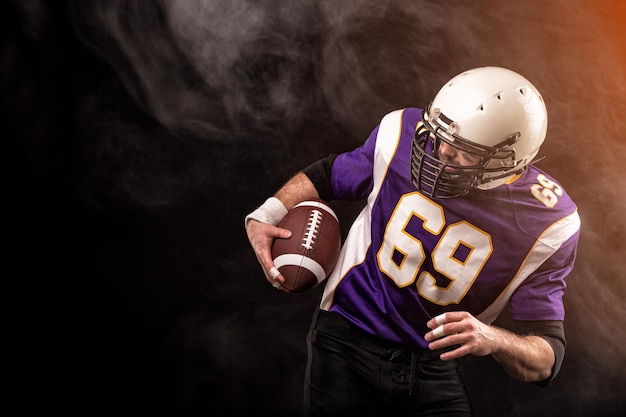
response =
{"points": [[452, 155]]}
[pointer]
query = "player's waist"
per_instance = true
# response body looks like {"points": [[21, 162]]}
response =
{"points": [[337, 326]]}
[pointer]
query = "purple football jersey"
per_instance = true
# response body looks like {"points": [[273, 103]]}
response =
{"points": [[408, 258]]}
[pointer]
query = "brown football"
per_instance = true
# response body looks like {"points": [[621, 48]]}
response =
{"points": [[310, 254]]}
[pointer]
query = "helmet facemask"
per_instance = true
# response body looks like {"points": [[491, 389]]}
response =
{"points": [[438, 179]]}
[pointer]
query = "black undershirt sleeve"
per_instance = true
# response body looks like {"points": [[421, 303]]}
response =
{"points": [[552, 331], [319, 174]]}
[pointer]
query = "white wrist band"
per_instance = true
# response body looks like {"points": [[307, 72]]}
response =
{"points": [[272, 212]]}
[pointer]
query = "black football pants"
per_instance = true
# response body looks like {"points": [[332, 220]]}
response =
{"points": [[352, 373]]}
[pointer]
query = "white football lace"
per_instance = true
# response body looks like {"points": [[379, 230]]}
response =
{"points": [[311, 232]]}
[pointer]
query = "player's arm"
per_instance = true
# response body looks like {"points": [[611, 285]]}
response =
{"points": [[298, 189], [261, 224], [529, 357], [553, 332]]}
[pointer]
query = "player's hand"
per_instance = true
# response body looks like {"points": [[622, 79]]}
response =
{"points": [[261, 236], [461, 328]]}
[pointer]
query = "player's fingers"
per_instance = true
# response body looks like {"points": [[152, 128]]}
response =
{"points": [[437, 321], [449, 317], [281, 233], [436, 333], [462, 350], [262, 248], [447, 329], [274, 273], [274, 276], [261, 235], [454, 316]]}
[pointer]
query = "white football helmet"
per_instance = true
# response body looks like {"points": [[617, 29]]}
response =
{"points": [[490, 112]]}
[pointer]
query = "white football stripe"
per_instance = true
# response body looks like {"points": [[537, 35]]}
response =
{"points": [[318, 204], [303, 261]]}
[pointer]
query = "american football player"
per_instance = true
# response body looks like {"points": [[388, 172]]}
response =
{"points": [[457, 224]]}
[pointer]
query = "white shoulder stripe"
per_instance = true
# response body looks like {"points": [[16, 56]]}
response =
{"points": [[354, 249], [548, 243], [387, 141], [561, 230]]}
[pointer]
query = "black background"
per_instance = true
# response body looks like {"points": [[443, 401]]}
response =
{"points": [[137, 136]]}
